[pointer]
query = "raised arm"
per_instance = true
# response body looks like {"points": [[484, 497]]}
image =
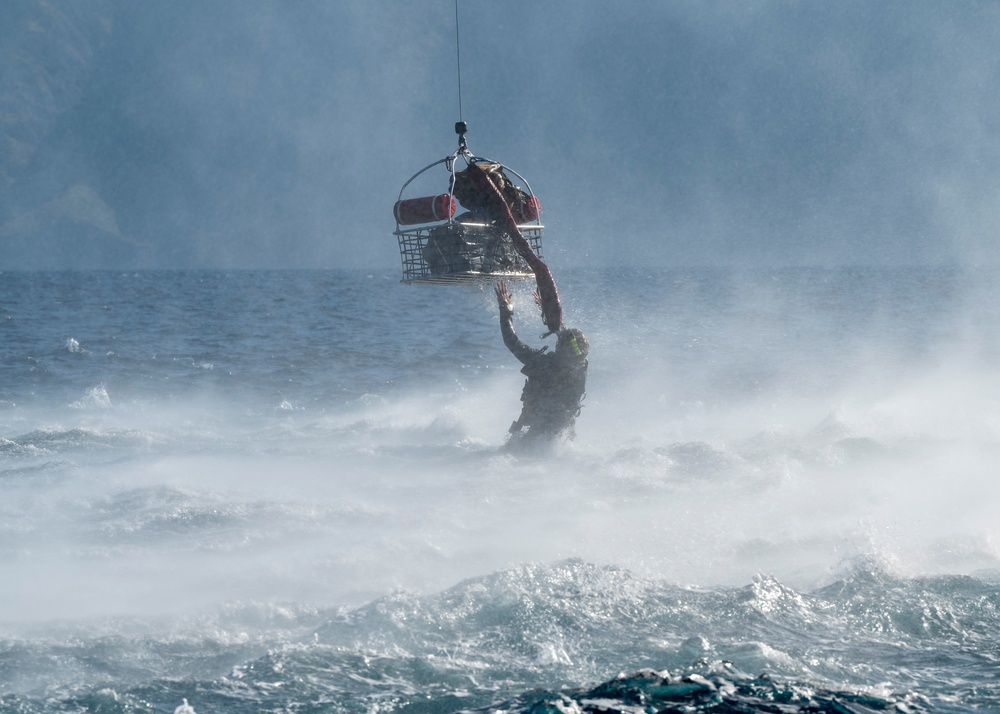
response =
{"points": [[523, 352]]}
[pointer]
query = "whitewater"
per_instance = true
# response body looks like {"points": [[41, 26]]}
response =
{"points": [[285, 491]]}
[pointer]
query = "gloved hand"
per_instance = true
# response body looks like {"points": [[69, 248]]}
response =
{"points": [[504, 299]]}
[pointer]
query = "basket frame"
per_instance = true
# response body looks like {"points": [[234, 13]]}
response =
{"points": [[474, 261]]}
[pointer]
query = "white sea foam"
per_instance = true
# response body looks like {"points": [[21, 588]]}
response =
{"points": [[97, 396], [169, 491]]}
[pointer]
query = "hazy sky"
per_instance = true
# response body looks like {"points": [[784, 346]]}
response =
{"points": [[259, 133]]}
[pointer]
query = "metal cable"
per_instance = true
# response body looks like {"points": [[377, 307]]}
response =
{"points": [[458, 51]]}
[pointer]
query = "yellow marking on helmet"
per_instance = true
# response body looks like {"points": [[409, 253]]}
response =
{"points": [[576, 347]]}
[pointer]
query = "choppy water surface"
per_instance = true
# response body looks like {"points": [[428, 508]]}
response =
{"points": [[284, 492]]}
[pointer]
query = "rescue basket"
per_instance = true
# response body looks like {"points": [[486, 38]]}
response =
{"points": [[449, 238]]}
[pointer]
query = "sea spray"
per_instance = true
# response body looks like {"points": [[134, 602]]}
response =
{"points": [[787, 472]]}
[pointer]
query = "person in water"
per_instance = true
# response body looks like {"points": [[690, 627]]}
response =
{"points": [[556, 380]]}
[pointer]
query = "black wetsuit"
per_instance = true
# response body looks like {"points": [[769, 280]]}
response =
{"points": [[553, 390]]}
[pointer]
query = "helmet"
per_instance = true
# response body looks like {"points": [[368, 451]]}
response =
{"points": [[573, 343]]}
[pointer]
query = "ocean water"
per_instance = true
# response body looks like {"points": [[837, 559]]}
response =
{"points": [[286, 492]]}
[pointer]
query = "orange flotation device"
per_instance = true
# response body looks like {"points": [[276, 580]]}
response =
{"points": [[426, 209]]}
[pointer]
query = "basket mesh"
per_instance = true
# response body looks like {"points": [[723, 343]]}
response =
{"points": [[463, 253]]}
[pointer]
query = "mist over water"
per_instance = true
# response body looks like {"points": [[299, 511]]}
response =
{"points": [[255, 134], [265, 490], [184, 494]]}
